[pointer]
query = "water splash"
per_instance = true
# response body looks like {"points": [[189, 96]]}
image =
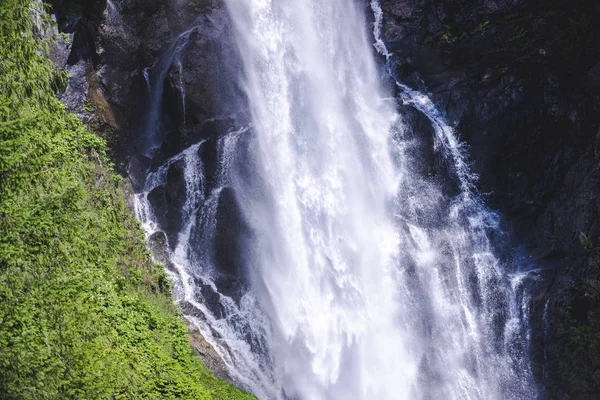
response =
{"points": [[193, 270], [368, 278], [182, 91], [345, 223], [115, 17], [509, 302]]}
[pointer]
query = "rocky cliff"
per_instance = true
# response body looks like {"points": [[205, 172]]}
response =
{"points": [[137, 66], [519, 80]]}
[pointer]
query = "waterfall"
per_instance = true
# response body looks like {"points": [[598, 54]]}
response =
{"points": [[114, 15], [365, 275], [155, 77]]}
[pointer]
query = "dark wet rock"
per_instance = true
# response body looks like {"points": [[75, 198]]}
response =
{"points": [[167, 201], [519, 81], [208, 355], [593, 76], [209, 154], [158, 244], [136, 37], [59, 52], [76, 93], [231, 236], [117, 40], [200, 345]]}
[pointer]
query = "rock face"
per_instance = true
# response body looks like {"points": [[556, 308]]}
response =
{"points": [[208, 354], [519, 79], [138, 63], [116, 46], [520, 82]]}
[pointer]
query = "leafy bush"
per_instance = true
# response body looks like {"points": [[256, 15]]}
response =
{"points": [[84, 313]]}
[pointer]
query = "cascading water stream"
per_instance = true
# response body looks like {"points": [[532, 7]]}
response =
{"points": [[480, 223], [155, 78], [367, 277]]}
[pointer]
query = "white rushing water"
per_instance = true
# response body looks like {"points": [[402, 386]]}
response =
{"points": [[367, 277], [154, 78]]}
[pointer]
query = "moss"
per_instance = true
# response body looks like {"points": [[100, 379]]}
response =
{"points": [[89, 106], [84, 313], [454, 34]]}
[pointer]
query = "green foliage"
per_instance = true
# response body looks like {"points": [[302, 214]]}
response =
{"points": [[88, 105], [450, 37], [84, 313], [480, 28]]}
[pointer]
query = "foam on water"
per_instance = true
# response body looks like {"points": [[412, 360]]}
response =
{"points": [[367, 278]]}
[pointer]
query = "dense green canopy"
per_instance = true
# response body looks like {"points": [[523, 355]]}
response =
{"points": [[84, 313]]}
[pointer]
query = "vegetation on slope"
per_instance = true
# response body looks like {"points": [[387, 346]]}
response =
{"points": [[84, 313]]}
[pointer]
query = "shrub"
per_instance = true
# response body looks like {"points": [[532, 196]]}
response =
{"points": [[84, 313]]}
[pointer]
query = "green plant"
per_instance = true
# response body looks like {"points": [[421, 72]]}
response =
{"points": [[481, 27], [89, 106], [449, 37], [84, 312]]}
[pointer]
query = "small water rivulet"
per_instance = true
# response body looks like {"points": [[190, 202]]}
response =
{"points": [[369, 267]]}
